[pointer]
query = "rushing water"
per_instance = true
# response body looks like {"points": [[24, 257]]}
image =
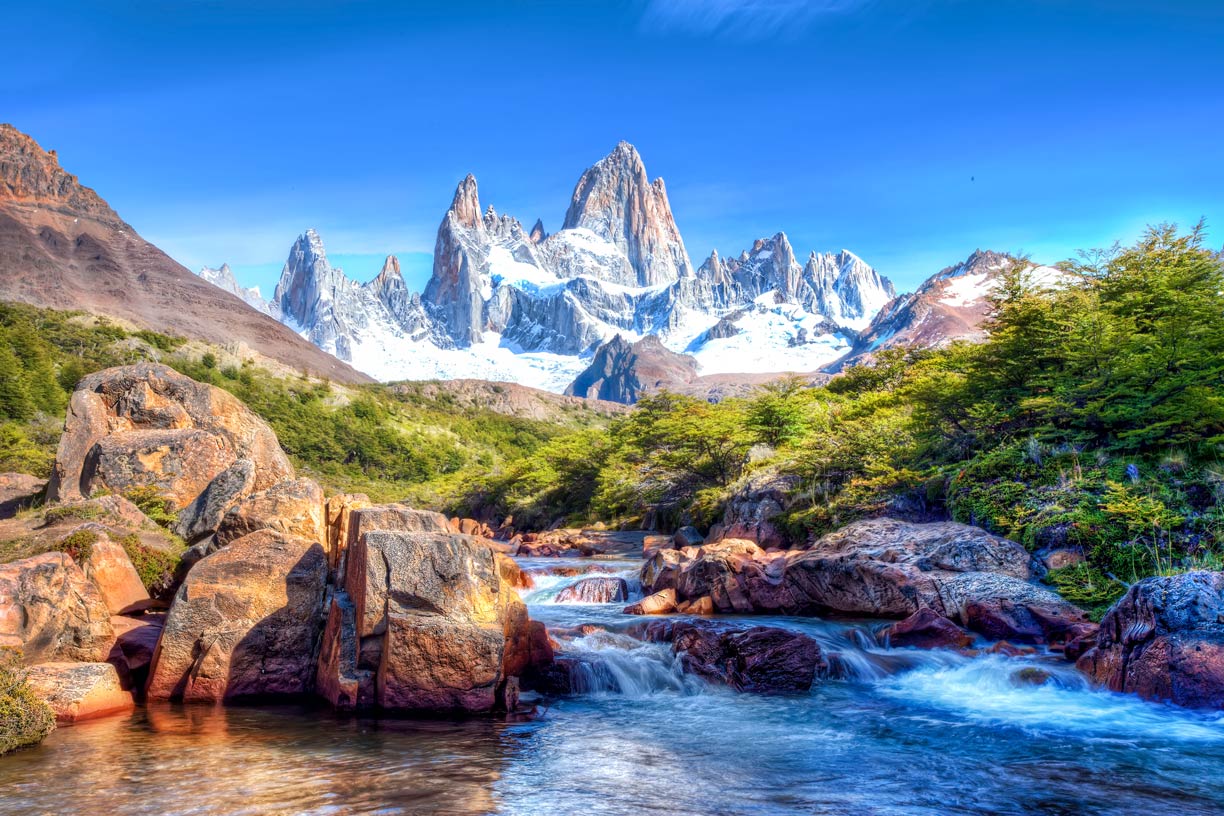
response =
{"points": [[908, 732]]}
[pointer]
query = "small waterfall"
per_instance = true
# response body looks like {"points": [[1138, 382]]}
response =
{"points": [[546, 586], [611, 663]]}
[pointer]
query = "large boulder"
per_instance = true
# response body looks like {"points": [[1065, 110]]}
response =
{"points": [[1164, 640], [79, 691], [874, 568], [179, 462], [111, 571], [599, 589], [294, 508], [760, 659], [203, 515], [687, 537], [52, 612], [147, 425], [398, 518], [437, 619], [717, 570], [1001, 607], [244, 623], [662, 569], [752, 510]]}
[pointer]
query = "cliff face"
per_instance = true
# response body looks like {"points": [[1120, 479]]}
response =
{"points": [[622, 371], [616, 201], [63, 247]]}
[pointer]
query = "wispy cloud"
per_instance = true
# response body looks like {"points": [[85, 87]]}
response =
{"points": [[745, 18]]}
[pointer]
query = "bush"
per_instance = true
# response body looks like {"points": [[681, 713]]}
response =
{"points": [[1085, 586], [24, 719], [155, 567], [78, 545], [77, 510], [153, 504]]}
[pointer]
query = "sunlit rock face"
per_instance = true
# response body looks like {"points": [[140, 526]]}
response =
{"points": [[616, 201], [244, 623], [435, 623]]}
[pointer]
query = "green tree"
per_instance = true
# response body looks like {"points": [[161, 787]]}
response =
{"points": [[15, 402], [779, 413]]}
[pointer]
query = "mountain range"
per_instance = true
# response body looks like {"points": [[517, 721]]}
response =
{"points": [[537, 308], [609, 306]]}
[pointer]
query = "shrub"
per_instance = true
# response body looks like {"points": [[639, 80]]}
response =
{"points": [[1087, 587], [153, 504], [78, 545], [24, 719], [78, 510], [155, 567]]}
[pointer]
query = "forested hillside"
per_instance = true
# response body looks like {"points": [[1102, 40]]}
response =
{"points": [[393, 443], [1092, 418]]}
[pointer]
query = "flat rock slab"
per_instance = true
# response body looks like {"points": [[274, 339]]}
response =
{"points": [[79, 691]]}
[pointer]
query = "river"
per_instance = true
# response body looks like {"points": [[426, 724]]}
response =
{"points": [[907, 732]]}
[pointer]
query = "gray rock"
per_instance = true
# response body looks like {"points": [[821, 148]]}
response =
{"points": [[1164, 640], [203, 516]]}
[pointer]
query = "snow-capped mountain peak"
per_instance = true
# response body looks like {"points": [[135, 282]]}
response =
{"points": [[505, 303], [223, 278]]}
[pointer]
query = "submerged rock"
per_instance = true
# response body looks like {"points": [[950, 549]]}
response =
{"points": [[926, 629], [598, 589], [761, 659], [1164, 640], [660, 603]]}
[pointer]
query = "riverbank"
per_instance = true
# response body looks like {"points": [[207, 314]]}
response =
{"points": [[907, 732]]}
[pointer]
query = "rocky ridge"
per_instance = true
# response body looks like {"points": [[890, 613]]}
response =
{"points": [[63, 247], [951, 305]]}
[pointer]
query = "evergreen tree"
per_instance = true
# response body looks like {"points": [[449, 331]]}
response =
{"points": [[15, 400]]}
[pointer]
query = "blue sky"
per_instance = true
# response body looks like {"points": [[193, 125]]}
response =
{"points": [[909, 131]]}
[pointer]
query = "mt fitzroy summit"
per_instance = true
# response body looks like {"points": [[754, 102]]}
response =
{"points": [[505, 303]]}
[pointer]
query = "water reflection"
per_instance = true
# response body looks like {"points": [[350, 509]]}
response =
{"points": [[906, 732], [292, 760]]}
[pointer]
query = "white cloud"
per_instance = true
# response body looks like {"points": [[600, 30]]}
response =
{"points": [[744, 18]]}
